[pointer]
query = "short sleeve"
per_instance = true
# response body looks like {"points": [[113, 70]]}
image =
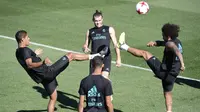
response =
{"points": [[108, 89], [160, 43], [26, 54], [81, 89]]}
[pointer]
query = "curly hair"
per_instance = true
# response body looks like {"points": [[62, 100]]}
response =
{"points": [[170, 30]]}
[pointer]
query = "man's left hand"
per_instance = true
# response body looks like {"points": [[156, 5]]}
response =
{"points": [[118, 63]]}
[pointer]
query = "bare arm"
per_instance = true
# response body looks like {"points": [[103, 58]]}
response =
{"points": [[175, 49], [86, 44], [108, 93], [81, 103], [117, 51], [109, 104], [30, 64], [38, 51]]}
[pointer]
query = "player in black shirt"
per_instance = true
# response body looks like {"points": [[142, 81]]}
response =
{"points": [[97, 89], [172, 62], [44, 71], [100, 36]]}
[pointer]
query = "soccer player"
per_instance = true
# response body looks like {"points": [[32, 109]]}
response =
{"points": [[172, 61], [44, 72], [100, 36], [97, 89]]}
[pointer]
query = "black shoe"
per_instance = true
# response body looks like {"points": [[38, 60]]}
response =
{"points": [[104, 51]]}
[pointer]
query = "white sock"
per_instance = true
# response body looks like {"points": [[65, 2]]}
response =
{"points": [[124, 47], [91, 56]]}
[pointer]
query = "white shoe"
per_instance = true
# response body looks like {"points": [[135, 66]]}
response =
{"points": [[104, 51], [122, 38], [122, 43], [91, 56]]}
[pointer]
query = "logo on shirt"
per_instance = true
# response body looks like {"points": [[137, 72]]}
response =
{"points": [[93, 32], [99, 37], [103, 30], [107, 69], [64, 58], [93, 94]]}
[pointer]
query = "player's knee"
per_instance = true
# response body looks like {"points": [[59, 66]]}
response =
{"points": [[167, 93], [146, 55], [105, 74], [70, 56], [167, 88], [53, 96]]}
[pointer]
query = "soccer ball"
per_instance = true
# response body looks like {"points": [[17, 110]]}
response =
{"points": [[142, 7]]}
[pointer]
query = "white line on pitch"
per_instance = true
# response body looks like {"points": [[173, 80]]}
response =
{"points": [[65, 50]]}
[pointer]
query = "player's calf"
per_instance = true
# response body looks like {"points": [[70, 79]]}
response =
{"points": [[52, 101], [136, 52]]}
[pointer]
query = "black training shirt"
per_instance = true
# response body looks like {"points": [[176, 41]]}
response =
{"points": [[99, 37], [37, 74], [95, 88]]}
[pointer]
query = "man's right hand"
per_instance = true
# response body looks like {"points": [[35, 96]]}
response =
{"points": [[86, 49], [38, 51], [182, 67], [151, 44]]}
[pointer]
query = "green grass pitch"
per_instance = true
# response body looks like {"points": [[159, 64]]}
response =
{"points": [[63, 24]]}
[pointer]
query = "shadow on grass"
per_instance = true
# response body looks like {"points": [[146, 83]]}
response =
{"points": [[45, 110], [65, 101], [32, 110], [189, 82]]}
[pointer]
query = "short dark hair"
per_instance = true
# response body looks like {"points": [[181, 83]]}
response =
{"points": [[19, 35], [97, 61], [171, 30], [97, 13]]}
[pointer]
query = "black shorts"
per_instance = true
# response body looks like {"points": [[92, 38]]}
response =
{"points": [[50, 86], [160, 71], [56, 68], [106, 62]]}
